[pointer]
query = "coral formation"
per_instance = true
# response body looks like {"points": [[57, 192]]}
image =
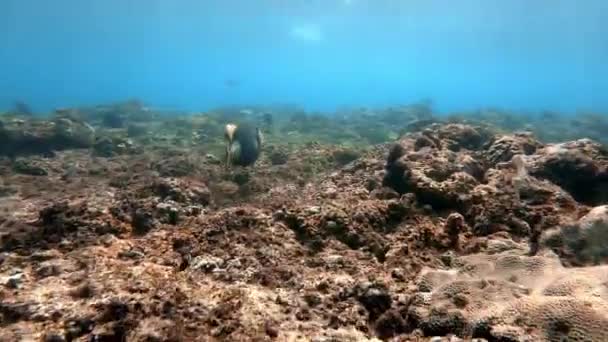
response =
{"points": [[463, 228], [506, 295]]}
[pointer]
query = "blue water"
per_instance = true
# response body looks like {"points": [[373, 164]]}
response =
{"points": [[320, 54]]}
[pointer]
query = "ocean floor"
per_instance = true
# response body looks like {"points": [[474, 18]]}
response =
{"points": [[118, 224]]}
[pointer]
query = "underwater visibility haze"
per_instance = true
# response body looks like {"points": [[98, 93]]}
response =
{"points": [[196, 55], [321, 170]]}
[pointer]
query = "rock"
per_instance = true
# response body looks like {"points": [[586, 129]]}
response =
{"points": [[111, 146], [312, 299], [384, 193], [27, 167], [65, 243], [113, 119], [313, 210], [182, 191], [154, 329], [419, 124], [53, 337], [510, 296], [227, 188], [177, 166], [458, 136], [345, 156], [7, 190], [433, 175], [33, 136], [271, 329], [395, 153], [335, 260], [73, 131], [390, 324], [135, 130], [48, 270], [596, 216], [447, 258], [113, 310], [374, 297], [454, 226], [206, 263], [169, 212], [343, 258], [506, 147], [398, 274], [108, 239], [471, 166], [131, 254], [330, 192], [78, 327], [397, 171], [585, 241], [303, 314], [331, 225], [50, 254], [142, 221], [212, 159], [14, 312], [278, 157], [580, 167], [14, 281], [423, 141], [104, 147], [86, 290]]}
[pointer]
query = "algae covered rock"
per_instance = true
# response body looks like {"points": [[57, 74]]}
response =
{"points": [[585, 241], [136, 130], [73, 132], [30, 135], [111, 146], [505, 147], [579, 167], [28, 167], [457, 136], [436, 174], [182, 191], [345, 155]]}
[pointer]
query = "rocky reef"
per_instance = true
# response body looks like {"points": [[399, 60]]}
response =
{"points": [[31, 136], [118, 228]]}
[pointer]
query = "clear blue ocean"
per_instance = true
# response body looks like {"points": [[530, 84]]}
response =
{"points": [[319, 54]]}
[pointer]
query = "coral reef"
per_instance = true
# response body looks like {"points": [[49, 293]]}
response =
{"points": [[506, 295], [467, 229], [29, 135]]}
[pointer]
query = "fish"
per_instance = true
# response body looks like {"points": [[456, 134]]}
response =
{"points": [[243, 144]]}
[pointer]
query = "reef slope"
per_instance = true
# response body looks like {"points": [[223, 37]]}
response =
{"points": [[454, 232]]}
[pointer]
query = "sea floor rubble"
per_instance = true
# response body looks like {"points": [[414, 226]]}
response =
{"points": [[455, 232]]}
